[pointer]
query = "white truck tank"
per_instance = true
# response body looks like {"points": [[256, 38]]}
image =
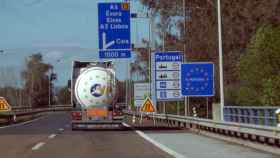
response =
{"points": [[95, 87]]}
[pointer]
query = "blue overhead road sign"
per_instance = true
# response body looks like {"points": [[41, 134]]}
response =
{"points": [[197, 79], [114, 30]]}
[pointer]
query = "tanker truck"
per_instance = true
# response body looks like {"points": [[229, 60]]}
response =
{"points": [[93, 95]]}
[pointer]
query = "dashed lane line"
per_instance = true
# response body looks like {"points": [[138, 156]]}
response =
{"points": [[157, 144], [38, 146], [52, 136]]}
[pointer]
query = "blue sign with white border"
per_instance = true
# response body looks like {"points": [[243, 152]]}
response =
{"points": [[167, 75], [197, 79], [114, 30]]}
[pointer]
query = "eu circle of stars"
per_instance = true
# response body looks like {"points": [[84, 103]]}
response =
{"points": [[197, 79]]}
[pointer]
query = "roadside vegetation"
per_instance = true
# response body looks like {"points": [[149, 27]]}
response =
{"points": [[251, 44], [34, 86]]}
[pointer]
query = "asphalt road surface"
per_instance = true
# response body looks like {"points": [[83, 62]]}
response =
{"points": [[51, 136]]}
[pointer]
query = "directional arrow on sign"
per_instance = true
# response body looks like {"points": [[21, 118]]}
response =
{"points": [[105, 44]]}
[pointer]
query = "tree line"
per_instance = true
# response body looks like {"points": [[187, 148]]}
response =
{"points": [[34, 87], [250, 43]]}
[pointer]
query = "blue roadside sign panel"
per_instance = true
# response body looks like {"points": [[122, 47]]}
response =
{"points": [[167, 75], [114, 30], [197, 79]]}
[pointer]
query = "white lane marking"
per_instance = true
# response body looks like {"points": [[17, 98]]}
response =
{"points": [[38, 146], [23, 123], [126, 125], [52, 136], [157, 144], [61, 129]]}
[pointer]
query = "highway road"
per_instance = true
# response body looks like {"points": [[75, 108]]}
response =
{"points": [[51, 136]]}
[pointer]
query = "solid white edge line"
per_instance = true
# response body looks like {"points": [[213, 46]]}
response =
{"points": [[23, 123], [157, 144], [52, 136], [61, 129], [38, 146]]}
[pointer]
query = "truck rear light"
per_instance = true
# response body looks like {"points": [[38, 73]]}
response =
{"points": [[76, 115]]}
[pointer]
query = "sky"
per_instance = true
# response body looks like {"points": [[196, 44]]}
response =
{"points": [[62, 30]]}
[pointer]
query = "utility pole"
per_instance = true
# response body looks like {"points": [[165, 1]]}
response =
{"points": [[51, 76], [185, 52], [153, 48], [163, 50], [221, 59], [150, 53], [50, 89], [31, 92]]}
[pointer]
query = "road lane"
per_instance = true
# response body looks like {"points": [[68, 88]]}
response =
{"points": [[48, 139], [109, 144], [18, 141], [21, 140]]}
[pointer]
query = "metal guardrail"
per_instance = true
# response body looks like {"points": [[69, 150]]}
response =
{"points": [[251, 115], [28, 107], [258, 133]]}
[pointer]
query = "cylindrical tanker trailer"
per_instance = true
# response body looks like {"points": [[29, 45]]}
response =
{"points": [[93, 95]]}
